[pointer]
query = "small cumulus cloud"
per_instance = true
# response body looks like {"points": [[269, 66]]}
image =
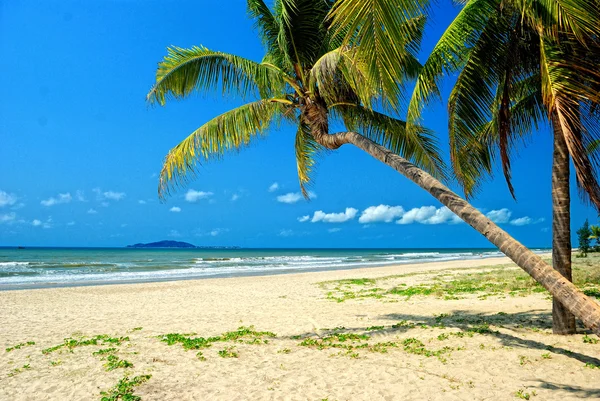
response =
{"points": [[500, 216], [320, 216], [7, 199], [175, 209], [274, 187], [429, 215], [381, 213], [8, 217], [61, 198], [294, 197], [92, 211], [303, 218], [285, 233], [525, 221], [194, 196], [111, 195], [71, 223], [80, 196], [142, 202], [174, 234], [235, 197], [43, 224], [334, 230]]}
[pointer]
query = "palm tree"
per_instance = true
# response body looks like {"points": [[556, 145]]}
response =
{"points": [[595, 234], [312, 75], [521, 63]]}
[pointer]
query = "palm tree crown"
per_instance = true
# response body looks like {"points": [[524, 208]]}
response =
{"points": [[308, 77]]}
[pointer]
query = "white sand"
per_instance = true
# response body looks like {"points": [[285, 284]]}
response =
{"points": [[481, 367]]}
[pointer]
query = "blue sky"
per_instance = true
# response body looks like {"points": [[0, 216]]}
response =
{"points": [[81, 149]]}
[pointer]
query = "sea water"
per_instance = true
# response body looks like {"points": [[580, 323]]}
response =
{"points": [[51, 267]]}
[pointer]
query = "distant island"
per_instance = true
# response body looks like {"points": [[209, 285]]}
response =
{"points": [[177, 244]]}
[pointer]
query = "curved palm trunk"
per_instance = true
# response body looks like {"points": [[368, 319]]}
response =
{"points": [[575, 301], [563, 321]]}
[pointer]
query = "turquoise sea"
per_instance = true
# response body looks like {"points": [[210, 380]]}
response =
{"points": [[52, 267]]}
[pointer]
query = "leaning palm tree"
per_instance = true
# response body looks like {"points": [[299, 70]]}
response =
{"points": [[312, 75], [521, 65]]}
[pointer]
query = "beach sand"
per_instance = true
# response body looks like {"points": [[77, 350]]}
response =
{"points": [[430, 348]]}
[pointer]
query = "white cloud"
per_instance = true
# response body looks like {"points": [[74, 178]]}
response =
{"points": [[142, 202], [348, 214], [80, 195], [104, 204], [294, 197], [429, 215], [521, 221], [274, 187], [61, 198], [174, 234], [8, 218], [175, 209], [71, 223], [381, 213], [285, 233], [291, 197], [111, 195], [499, 216], [524, 221], [334, 230], [235, 197], [45, 224], [195, 196], [303, 218], [92, 211], [7, 199]]}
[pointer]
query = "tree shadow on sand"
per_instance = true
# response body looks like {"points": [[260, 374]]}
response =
{"points": [[520, 322]]}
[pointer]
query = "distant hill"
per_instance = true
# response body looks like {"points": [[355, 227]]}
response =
{"points": [[163, 244], [177, 244]]}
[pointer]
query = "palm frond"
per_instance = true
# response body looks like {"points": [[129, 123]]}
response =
{"points": [[419, 145], [184, 71], [386, 35], [560, 91], [232, 130], [339, 77], [302, 31], [581, 18], [307, 151], [450, 54]]}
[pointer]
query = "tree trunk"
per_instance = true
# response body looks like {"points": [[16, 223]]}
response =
{"points": [[580, 305], [563, 321]]}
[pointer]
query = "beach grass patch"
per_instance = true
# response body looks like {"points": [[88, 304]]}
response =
{"points": [[104, 351], [124, 390], [19, 346], [229, 352], [114, 362], [71, 343], [589, 340]]}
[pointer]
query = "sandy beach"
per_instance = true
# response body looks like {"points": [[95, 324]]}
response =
{"points": [[306, 336]]}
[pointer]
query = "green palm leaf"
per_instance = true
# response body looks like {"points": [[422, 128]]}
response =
{"points": [[418, 145], [232, 130], [184, 71], [307, 150]]}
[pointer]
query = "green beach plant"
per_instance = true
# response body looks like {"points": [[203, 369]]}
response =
{"points": [[584, 235], [328, 62]]}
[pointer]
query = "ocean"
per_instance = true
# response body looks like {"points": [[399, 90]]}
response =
{"points": [[59, 267]]}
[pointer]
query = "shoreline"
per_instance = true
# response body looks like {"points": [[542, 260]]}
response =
{"points": [[264, 273]]}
